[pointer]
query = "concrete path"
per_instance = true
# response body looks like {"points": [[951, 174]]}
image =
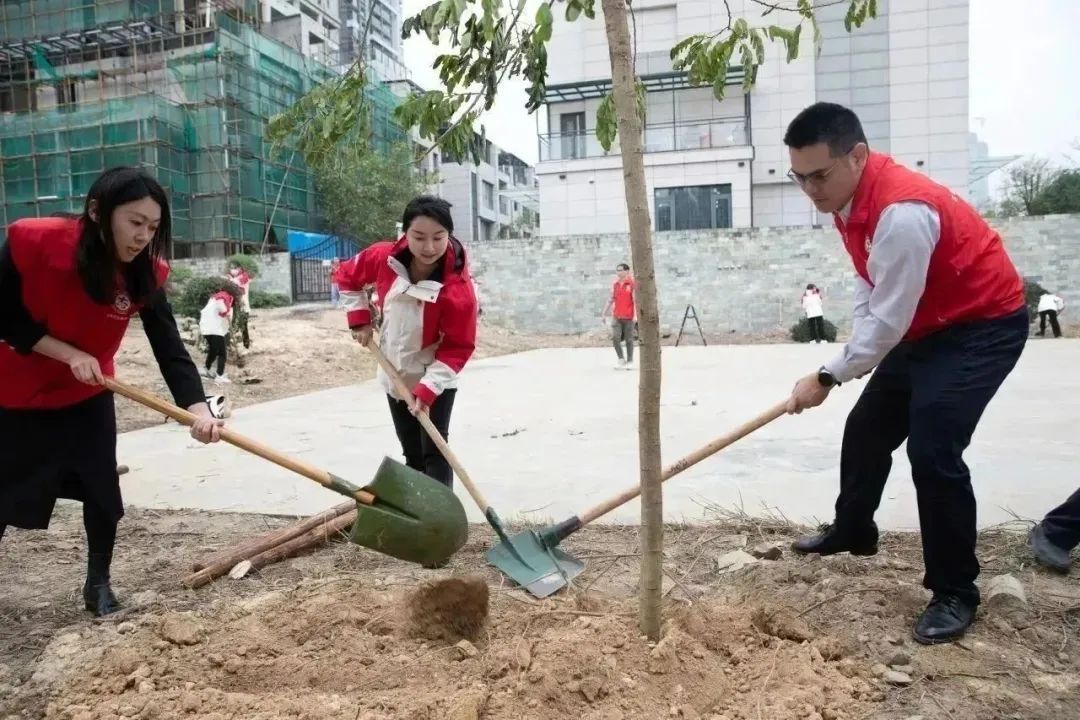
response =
{"points": [[549, 433]]}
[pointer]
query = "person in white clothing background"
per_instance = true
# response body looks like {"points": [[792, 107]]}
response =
{"points": [[1049, 307], [214, 322], [811, 302]]}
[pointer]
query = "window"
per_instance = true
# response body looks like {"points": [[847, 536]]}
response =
{"points": [[572, 130], [65, 95], [693, 208], [489, 195], [487, 230], [504, 206]]}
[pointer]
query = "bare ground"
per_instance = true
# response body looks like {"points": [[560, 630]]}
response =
{"points": [[327, 635]]}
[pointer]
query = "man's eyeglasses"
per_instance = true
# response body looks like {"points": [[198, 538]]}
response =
{"points": [[818, 177]]}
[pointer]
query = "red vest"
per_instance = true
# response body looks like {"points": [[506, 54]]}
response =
{"points": [[970, 276], [43, 250]]}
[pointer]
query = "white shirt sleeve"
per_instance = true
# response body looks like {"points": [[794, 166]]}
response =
{"points": [[904, 240]]}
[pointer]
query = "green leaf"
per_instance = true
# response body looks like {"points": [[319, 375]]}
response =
{"points": [[793, 44], [573, 10], [682, 45], [607, 126], [759, 47], [718, 87], [872, 8], [543, 23], [741, 28]]}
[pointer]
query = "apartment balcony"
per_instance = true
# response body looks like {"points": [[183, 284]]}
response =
{"points": [[657, 138]]}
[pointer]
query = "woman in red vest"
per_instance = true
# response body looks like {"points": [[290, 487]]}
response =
{"points": [[940, 319], [68, 287]]}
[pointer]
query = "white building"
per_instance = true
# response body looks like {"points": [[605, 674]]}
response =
{"points": [[724, 164], [381, 20], [309, 26]]}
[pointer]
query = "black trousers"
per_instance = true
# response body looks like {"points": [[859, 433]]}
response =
{"points": [[1062, 524], [931, 393], [817, 328], [420, 452], [1050, 315], [217, 349]]}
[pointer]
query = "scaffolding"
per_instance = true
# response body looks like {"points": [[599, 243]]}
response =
{"points": [[182, 88]]}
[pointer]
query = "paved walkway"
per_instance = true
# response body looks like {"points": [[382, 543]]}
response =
{"points": [[549, 433]]}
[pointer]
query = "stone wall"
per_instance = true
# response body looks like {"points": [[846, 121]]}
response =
{"points": [[275, 271], [737, 280]]}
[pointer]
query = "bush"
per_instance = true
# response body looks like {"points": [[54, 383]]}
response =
{"points": [[196, 291], [178, 277], [247, 262], [1032, 292], [800, 331], [261, 299]]}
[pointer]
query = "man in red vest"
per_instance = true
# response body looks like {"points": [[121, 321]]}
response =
{"points": [[939, 312]]}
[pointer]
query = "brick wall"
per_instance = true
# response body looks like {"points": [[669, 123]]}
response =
{"points": [[742, 280], [275, 273]]}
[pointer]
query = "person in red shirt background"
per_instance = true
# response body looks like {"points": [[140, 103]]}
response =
{"points": [[622, 306], [940, 319], [428, 305], [68, 287]]}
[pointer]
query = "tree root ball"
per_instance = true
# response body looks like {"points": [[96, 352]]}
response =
{"points": [[449, 609]]}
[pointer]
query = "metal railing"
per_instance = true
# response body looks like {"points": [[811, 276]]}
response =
{"points": [[666, 137]]}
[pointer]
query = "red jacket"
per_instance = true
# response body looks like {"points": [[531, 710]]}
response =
{"points": [[43, 250], [428, 329], [970, 276]]}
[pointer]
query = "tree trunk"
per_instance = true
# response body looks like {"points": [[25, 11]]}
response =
{"points": [[624, 91]]}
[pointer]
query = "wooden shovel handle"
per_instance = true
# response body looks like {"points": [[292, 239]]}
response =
{"points": [[234, 438], [405, 393], [689, 461]]}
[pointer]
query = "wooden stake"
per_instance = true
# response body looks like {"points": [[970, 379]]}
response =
{"points": [[276, 537], [271, 552]]}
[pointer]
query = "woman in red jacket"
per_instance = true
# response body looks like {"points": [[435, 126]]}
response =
{"points": [[68, 287], [428, 327]]}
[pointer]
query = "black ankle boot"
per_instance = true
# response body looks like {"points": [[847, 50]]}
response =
{"points": [[97, 594]]}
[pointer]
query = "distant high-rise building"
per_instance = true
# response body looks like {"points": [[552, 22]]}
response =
{"points": [[381, 20]]}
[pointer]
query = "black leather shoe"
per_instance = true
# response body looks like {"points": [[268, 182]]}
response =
{"points": [[97, 593], [945, 619], [1046, 552], [831, 541]]}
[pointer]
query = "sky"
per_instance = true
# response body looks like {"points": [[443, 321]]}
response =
{"points": [[1023, 67]]}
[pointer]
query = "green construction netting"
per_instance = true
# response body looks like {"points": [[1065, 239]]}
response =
{"points": [[197, 124]]}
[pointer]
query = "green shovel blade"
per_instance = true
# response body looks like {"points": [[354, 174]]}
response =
{"points": [[414, 517], [540, 570]]}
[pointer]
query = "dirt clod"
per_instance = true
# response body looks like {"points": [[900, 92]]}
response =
{"points": [[782, 623], [450, 609], [181, 629]]}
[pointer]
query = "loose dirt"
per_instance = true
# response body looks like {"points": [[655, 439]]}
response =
{"points": [[346, 633]]}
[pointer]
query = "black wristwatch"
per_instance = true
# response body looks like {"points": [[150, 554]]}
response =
{"points": [[826, 378]]}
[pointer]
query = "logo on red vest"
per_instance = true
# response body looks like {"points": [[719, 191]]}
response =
{"points": [[122, 304], [869, 240]]}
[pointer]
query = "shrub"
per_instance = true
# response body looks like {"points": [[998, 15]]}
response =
{"points": [[1032, 292], [247, 262], [800, 331], [178, 277], [261, 299]]}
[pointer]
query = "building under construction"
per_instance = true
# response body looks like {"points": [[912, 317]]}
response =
{"points": [[183, 88]]}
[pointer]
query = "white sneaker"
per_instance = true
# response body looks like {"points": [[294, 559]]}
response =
{"points": [[629, 365], [223, 379], [621, 365]]}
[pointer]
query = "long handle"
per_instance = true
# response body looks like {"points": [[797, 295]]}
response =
{"points": [[405, 393], [689, 461], [244, 443]]}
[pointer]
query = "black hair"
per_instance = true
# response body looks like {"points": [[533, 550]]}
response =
{"points": [[96, 260], [622, 266], [811, 286], [431, 207], [829, 123]]}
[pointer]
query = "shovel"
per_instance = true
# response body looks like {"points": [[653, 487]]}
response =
{"points": [[402, 513], [523, 558], [552, 535]]}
